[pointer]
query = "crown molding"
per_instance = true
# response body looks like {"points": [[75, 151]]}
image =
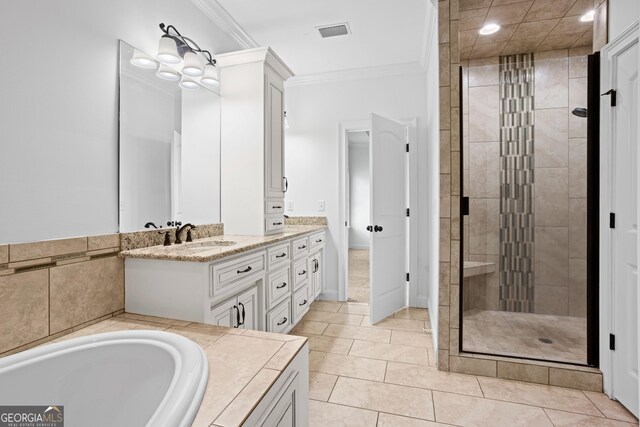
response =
{"points": [[356, 74], [259, 54], [214, 11]]}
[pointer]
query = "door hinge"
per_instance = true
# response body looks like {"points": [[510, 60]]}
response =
{"points": [[407, 277], [408, 212], [407, 147], [612, 342], [612, 220], [611, 92]]}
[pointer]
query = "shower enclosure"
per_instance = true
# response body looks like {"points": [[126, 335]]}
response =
{"points": [[524, 208]]}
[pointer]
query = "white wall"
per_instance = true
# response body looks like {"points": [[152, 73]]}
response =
{"points": [[312, 146], [59, 109], [359, 197], [622, 13]]}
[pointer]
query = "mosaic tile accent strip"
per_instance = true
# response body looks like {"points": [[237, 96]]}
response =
{"points": [[516, 183]]}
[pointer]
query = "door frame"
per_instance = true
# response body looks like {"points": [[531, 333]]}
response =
{"points": [[607, 114], [343, 239]]}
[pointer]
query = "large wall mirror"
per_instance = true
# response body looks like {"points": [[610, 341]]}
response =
{"points": [[169, 146]]}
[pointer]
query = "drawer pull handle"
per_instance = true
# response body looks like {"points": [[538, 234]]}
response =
{"points": [[302, 247], [277, 223], [237, 316], [303, 303], [283, 322], [283, 254], [276, 207], [284, 284], [302, 273], [243, 314], [246, 270], [319, 241]]}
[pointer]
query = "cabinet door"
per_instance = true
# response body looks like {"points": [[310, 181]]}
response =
{"points": [[317, 275], [285, 411], [248, 306], [274, 135], [225, 314]]}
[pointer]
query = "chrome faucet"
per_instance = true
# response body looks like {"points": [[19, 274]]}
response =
{"points": [[180, 229]]}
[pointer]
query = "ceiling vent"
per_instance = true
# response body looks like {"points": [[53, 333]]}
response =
{"points": [[334, 30]]}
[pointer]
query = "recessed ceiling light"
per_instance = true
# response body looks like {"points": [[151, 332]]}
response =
{"points": [[588, 17], [489, 29]]}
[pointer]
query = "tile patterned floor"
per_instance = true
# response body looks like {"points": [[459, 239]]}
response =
{"points": [[385, 375], [518, 334], [359, 275]]}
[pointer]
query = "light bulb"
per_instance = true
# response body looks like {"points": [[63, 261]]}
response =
{"points": [[588, 17], [210, 76], [142, 60], [167, 73], [489, 29], [167, 50], [186, 83], [192, 65]]}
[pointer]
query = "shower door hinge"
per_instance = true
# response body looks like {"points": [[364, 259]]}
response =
{"points": [[407, 147], [612, 342], [611, 92], [407, 277], [612, 220]]}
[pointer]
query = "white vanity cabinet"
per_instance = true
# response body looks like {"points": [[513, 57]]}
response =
{"points": [[316, 264], [238, 312], [252, 141]]}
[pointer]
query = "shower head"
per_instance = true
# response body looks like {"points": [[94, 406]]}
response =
{"points": [[580, 112]]}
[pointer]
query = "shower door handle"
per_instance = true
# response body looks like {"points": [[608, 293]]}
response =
{"points": [[464, 206]]}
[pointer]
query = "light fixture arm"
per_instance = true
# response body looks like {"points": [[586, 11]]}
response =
{"points": [[192, 45]]}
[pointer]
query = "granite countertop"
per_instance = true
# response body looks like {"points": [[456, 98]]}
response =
{"points": [[196, 252], [243, 364]]}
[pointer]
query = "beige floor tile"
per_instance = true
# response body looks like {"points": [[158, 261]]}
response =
{"points": [[309, 327], [201, 338], [321, 385], [359, 294], [163, 320], [401, 324], [569, 419], [432, 379], [411, 313], [349, 366], [331, 306], [393, 352], [393, 399], [468, 411], [610, 408], [538, 395], [329, 344], [323, 414], [433, 360], [390, 420], [358, 332], [340, 318], [355, 308], [415, 339]]}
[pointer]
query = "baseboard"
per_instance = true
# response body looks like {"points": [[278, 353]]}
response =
{"points": [[358, 246], [329, 296]]}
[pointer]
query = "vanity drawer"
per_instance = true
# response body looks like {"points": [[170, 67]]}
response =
{"points": [[301, 302], [274, 206], [300, 272], [278, 254], [317, 240], [300, 247], [225, 274], [279, 286], [274, 222], [279, 319]]}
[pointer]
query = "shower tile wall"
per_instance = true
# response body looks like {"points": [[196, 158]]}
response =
{"points": [[560, 181]]}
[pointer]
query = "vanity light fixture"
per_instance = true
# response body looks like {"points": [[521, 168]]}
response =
{"points": [[187, 83], [588, 17], [142, 60], [489, 29], [174, 47], [167, 73]]}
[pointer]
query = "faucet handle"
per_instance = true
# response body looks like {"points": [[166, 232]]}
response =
{"points": [[167, 239], [189, 237]]}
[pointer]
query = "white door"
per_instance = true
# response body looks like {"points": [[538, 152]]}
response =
{"points": [[621, 121], [387, 169]]}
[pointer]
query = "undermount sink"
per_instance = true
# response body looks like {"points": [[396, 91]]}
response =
{"points": [[210, 244]]}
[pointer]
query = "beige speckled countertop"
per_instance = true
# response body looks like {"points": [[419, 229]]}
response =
{"points": [[243, 364], [194, 252]]}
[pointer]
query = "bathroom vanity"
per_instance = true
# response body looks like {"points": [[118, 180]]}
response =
{"points": [[250, 282]]}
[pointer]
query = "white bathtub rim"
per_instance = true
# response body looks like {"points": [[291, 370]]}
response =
{"points": [[184, 398]]}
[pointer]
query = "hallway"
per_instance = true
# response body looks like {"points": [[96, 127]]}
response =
{"points": [[359, 284]]}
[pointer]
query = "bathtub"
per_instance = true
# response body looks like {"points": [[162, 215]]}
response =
{"points": [[128, 378]]}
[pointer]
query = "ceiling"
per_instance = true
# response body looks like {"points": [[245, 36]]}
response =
{"points": [[383, 32], [526, 26]]}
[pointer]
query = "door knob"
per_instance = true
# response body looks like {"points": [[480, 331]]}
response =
{"points": [[369, 228], [377, 228]]}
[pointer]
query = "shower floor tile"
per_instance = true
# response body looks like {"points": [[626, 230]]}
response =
{"points": [[534, 336]]}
